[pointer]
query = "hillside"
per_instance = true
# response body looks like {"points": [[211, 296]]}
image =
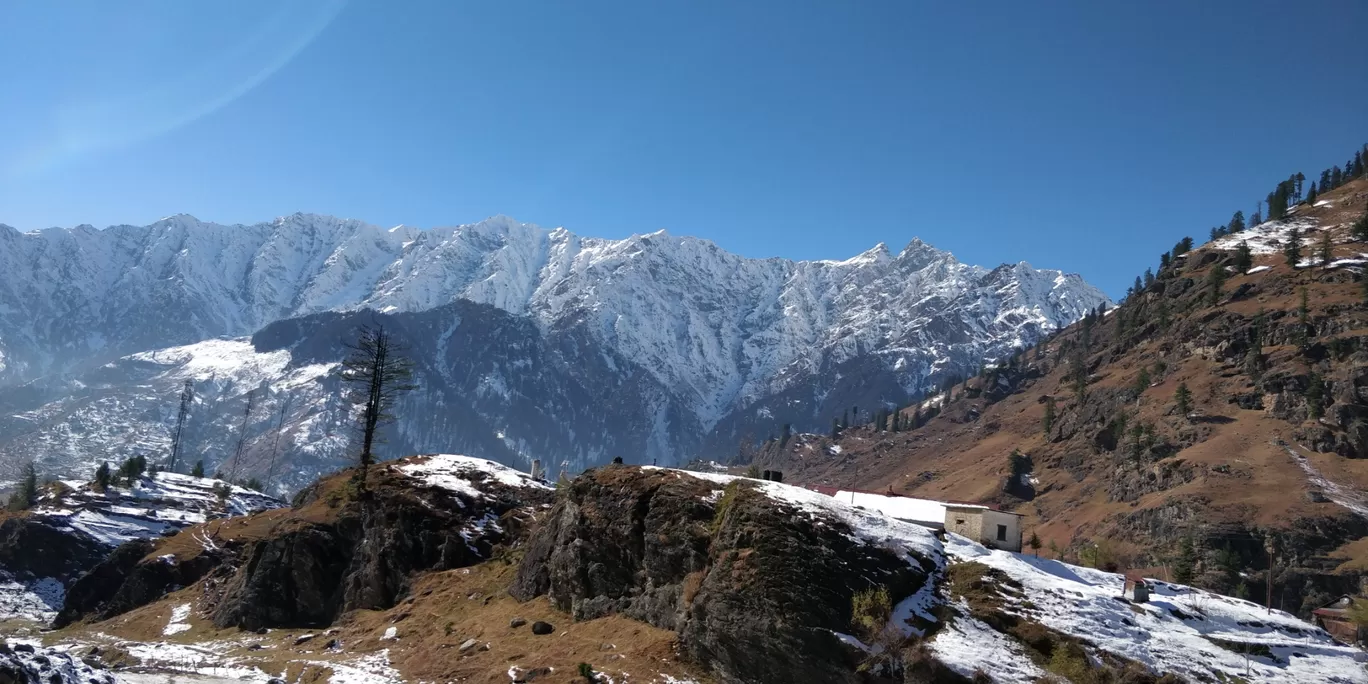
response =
{"points": [[532, 343], [447, 568], [1274, 447]]}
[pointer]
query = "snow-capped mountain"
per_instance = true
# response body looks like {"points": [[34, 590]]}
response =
{"points": [[718, 345]]}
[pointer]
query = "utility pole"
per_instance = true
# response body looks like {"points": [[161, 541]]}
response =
{"points": [[187, 396], [1268, 600], [275, 445], [242, 436]]}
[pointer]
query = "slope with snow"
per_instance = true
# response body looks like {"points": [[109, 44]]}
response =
{"points": [[153, 506], [1181, 630]]}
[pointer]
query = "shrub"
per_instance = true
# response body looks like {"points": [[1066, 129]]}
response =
{"points": [[587, 671], [870, 611]]}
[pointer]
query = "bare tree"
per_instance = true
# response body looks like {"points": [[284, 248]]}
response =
{"points": [[378, 373]]}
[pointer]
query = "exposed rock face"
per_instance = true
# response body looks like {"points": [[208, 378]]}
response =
{"points": [[31, 547], [329, 556], [754, 587]]}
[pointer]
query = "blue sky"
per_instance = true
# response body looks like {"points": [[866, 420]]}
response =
{"points": [[1085, 136]]}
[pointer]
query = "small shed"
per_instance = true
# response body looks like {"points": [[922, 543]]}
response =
{"points": [[1136, 587], [1334, 618], [990, 527]]}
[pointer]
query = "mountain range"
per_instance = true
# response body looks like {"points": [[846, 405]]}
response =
{"points": [[529, 343]]}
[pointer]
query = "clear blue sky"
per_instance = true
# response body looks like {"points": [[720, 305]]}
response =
{"points": [[1085, 135]]}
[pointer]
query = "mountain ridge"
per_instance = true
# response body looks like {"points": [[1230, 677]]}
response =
{"points": [[740, 345]]}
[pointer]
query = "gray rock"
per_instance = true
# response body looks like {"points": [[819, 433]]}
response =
{"points": [[517, 622], [468, 644]]}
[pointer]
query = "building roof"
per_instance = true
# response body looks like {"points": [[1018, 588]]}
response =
{"points": [[900, 507]]}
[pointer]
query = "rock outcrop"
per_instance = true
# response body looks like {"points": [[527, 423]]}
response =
{"points": [[756, 588], [342, 549]]}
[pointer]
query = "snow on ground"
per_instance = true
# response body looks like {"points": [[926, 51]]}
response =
{"points": [[1171, 633], [968, 645], [177, 623], [1257, 269], [454, 473], [153, 506], [1269, 237], [901, 507], [1174, 631], [49, 665], [36, 600]]}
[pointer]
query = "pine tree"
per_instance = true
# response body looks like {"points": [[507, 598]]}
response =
{"points": [[1149, 278], [1327, 249], [1298, 180], [26, 494], [1303, 319], [1256, 218], [1315, 396], [1244, 258], [1217, 233], [845, 419], [1292, 250], [1185, 563], [1183, 399], [1034, 543], [377, 373], [1336, 177], [1216, 278], [1183, 247], [1311, 194], [1360, 228], [916, 417], [1139, 286], [1237, 223], [1325, 182], [198, 470], [1164, 261], [1048, 421], [1142, 382]]}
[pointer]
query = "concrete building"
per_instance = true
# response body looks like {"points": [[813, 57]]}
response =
{"points": [[992, 528]]}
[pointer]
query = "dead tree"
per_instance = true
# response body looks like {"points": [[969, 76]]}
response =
{"points": [[378, 373]]}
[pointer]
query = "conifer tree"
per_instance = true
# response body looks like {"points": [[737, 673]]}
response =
{"points": [[1185, 564], [1311, 194], [1183, 399], [916, 417], [1303, 319], [1149, 278], [1216, 278], [1164, 261], [377, 373], [26, 494], [1292, 250], [1327, 249], [1298, 180], [1139, 286], [1315, 396], [1244, 258], [1034, 543], [1360, 228], [198, 470], [1048, 421], [1237, 223], [835, 428], [1336, 177], [1142, 382]]}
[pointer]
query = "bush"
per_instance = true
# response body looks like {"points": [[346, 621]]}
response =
{"points": [[587, 671], [870, 611]]}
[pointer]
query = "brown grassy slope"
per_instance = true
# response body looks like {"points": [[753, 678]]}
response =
{"points": [[1223, 469], [447, 608]]}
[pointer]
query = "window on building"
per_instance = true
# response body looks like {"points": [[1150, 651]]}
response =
{"points": [[959, 521], [1002, 533]]}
